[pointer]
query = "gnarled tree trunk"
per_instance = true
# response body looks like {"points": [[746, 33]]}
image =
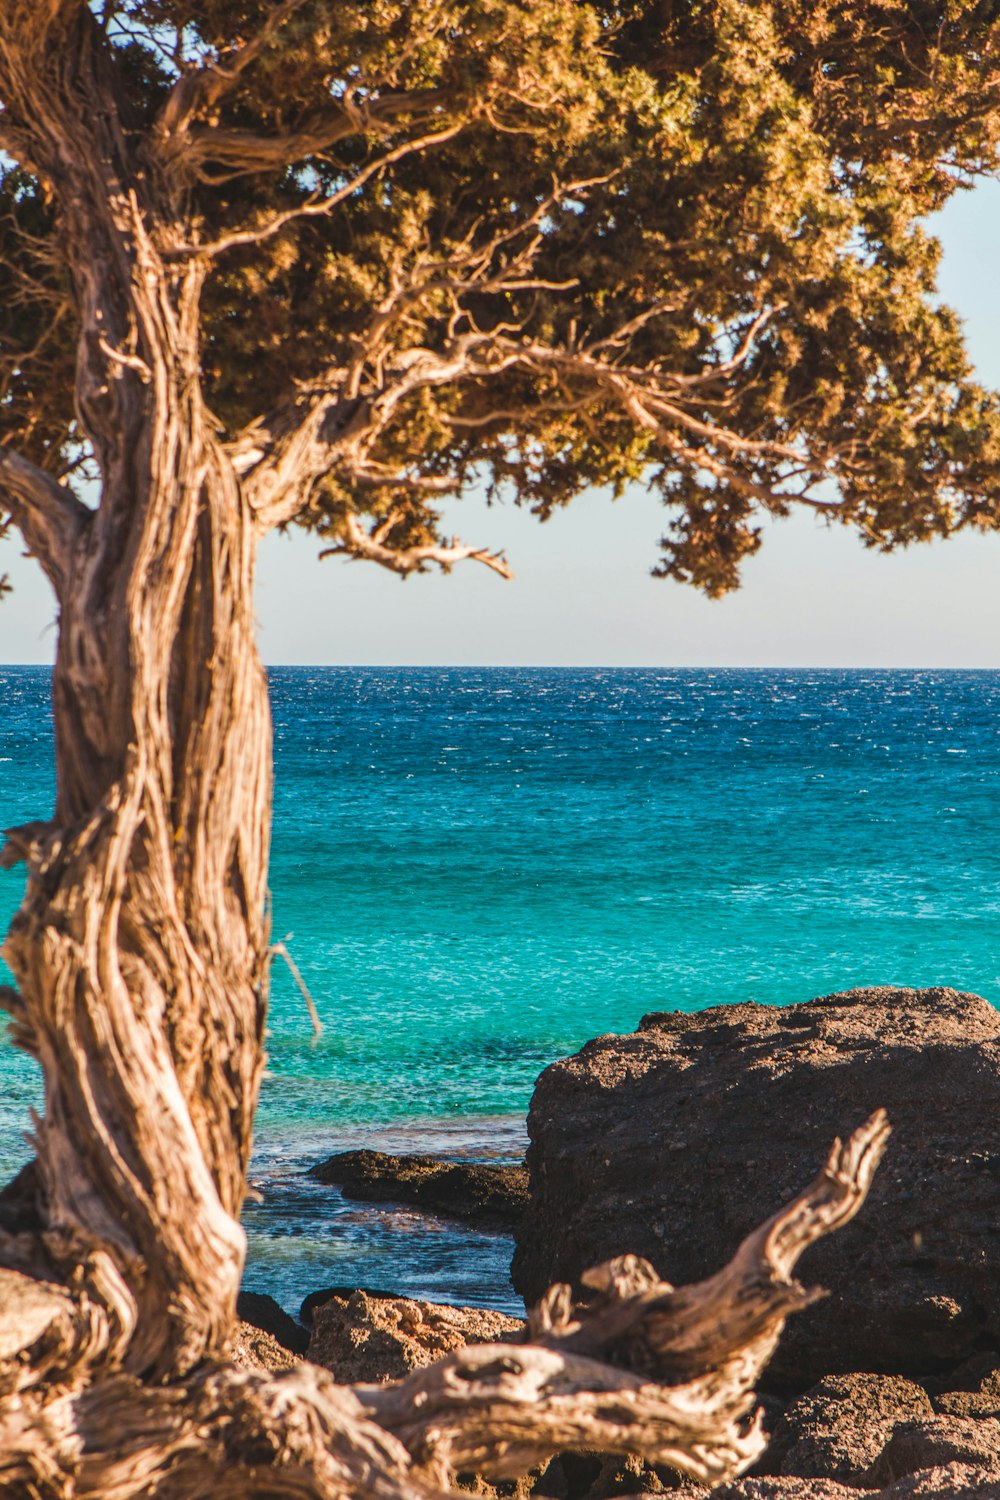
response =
{"points": [[140, 950]]}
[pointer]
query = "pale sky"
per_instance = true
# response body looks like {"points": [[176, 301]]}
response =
{"points": [[582, 594]]}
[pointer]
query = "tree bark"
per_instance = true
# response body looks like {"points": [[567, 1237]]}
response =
{"points": [[140, 949]]}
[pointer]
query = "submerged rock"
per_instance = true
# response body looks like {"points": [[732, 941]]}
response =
{"points": [[366, 1339], [674, 1141], [487, 1195]]}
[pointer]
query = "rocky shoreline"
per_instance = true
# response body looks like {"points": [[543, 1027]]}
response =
{"points": [[674, 1142], [862, 1436]]}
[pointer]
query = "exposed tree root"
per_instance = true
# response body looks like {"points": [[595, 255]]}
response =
{"points": [[640, 1368]]}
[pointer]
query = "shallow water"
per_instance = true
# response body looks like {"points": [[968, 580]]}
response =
{"points": [[483, 868]]}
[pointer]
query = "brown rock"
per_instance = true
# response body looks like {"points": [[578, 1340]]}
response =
{"points": [[672, 1143], [838, 1429], [787, 1487], [253, 1349], [949, 1482], [366, 1340], [593, 1476], [489, 1195], [976, 1393], [936, 1442]]}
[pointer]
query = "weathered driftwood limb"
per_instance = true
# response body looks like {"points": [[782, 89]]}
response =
{"points": [[642, 1369], [229, 1434]]}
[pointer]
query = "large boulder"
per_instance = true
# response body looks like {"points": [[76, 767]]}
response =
{"points": [[937, 1443], [674, 1142]]}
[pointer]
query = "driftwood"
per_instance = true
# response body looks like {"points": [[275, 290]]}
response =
{"points": [[639, 1368]]}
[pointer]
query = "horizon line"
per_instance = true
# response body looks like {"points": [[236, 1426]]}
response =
{"points": [[444, 666]]}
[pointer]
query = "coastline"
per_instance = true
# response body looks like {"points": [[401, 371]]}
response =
{"points": [[304, 1235]]}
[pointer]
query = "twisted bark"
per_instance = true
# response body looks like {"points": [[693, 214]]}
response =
{"points": [[140, 948]]}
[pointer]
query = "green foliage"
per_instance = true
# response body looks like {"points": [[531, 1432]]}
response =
{"points": [[738, 309]]}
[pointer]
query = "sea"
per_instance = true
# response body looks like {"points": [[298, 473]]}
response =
{"points": [[476, 870]]}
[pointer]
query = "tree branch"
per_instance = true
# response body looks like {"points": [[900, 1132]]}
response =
{"points": [[371, 546], [48, 515], [244, 151], [200, 88], [316, 205]]}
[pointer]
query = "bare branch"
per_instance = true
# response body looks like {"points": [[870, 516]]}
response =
{"points": [[48, 515], [199, 88], [243, 152], [371, 546], [683, 1334], [377, 476], [316, 205]]}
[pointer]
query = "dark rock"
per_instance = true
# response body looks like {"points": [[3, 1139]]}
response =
{"points": [[19, 1201], [592, 1476], [485, 1194], [674, 1142], [839, 1428], [368, 1340], [264, 1313], [936, 1442]]}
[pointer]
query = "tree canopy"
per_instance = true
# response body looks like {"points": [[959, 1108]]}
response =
{"points": [[539, 247]]}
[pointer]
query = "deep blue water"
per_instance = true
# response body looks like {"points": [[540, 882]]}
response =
{"points": [[483, 868]]}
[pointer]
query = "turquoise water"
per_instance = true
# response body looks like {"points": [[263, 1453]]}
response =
{"points": [[483, 868]]}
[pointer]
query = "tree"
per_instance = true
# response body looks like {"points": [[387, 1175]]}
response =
{"points": [[323, 264]]}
